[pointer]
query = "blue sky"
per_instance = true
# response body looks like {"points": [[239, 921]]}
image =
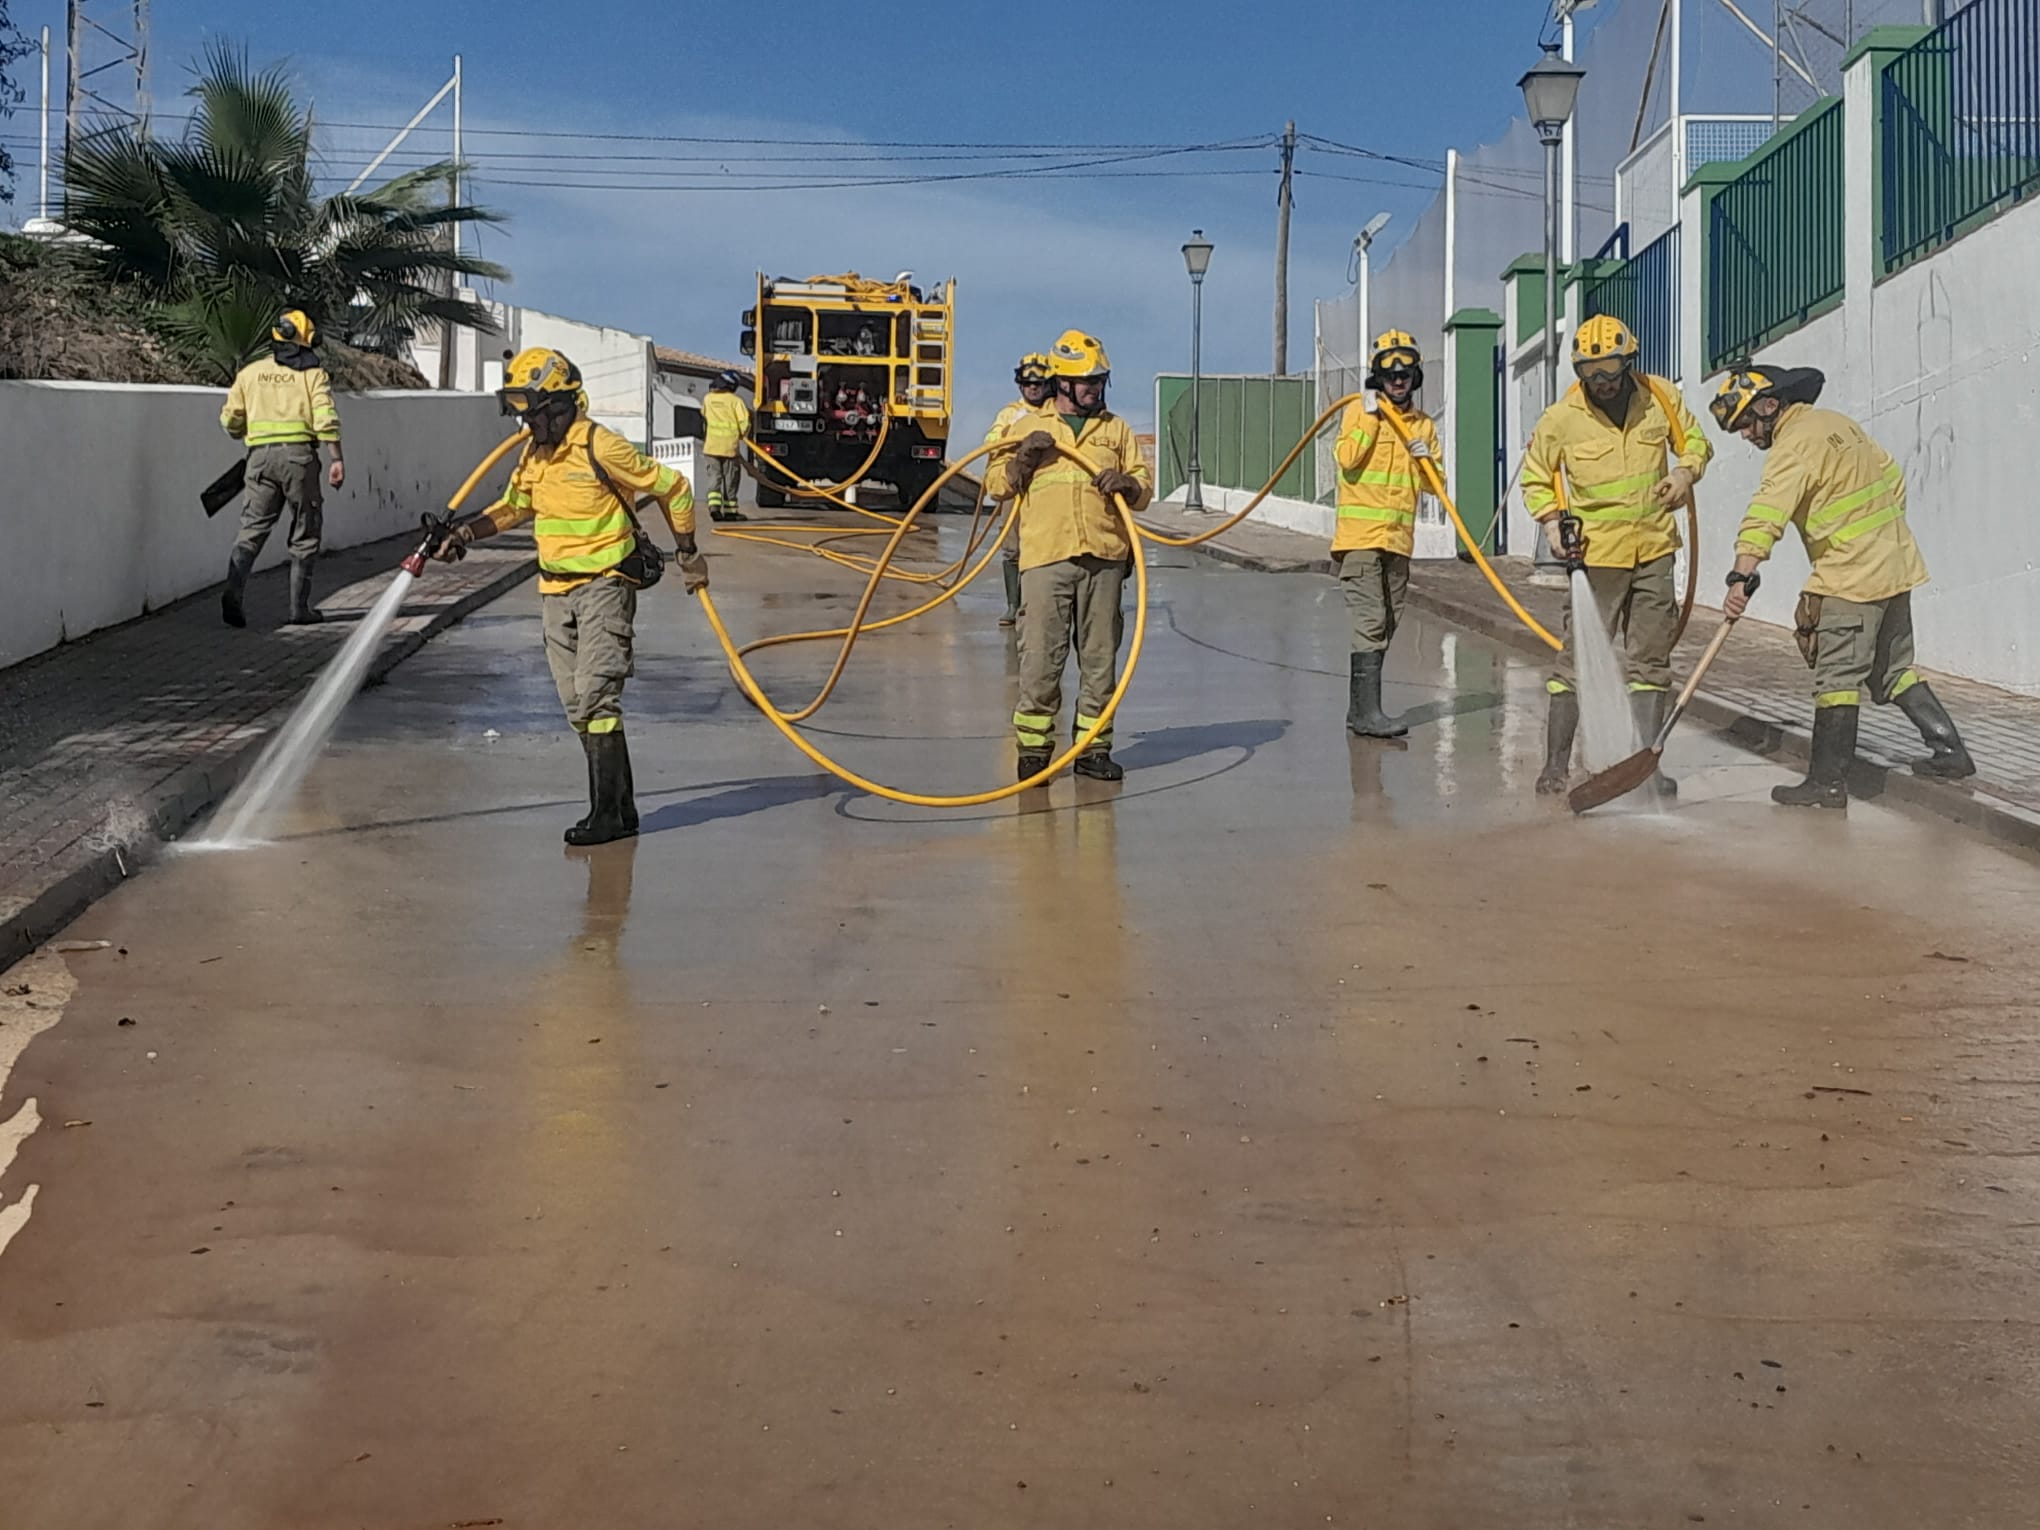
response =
{"points": [[1032, 255]]}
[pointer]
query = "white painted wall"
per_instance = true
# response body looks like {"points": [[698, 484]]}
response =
{"points": [[616, 365], [1941, 363], [99, 493]]}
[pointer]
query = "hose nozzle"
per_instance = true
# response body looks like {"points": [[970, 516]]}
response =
{"points": [[1572, 542], [437, 530]]}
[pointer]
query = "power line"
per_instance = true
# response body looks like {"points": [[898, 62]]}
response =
{"points": [[495, 179], [1264, 140]]}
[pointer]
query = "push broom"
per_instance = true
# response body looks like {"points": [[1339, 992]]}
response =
{"points": [[1620, 779]]}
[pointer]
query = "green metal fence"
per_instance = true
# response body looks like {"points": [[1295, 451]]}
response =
{"points": [[1960, 118], [1247, 424], [1774, 238]]}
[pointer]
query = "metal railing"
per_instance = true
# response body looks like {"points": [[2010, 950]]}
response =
{"points": [[1643, 292], [1774, 238], [1961, 127]]}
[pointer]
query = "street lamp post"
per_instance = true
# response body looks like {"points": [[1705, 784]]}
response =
{"points": [[1550, 90], [1196, 260]]}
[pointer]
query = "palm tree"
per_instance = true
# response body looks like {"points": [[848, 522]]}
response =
{"points": [[221, 230]]}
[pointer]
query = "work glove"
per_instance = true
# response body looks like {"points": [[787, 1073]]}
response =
{"points": [[1421, 450], [1029, 458], [1675, 488], [1111, 481], [454, 545], [693, 566]]}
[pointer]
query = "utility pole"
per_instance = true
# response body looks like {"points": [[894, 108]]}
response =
{"points": [[85, 33], [1284, 201], [449, 337], [43, 197], [74, 53]]}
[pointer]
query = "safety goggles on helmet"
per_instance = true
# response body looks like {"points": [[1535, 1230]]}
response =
{"points": [[1601, 367], [293, 328], [1738, 393], [536, 378], [520, 401]]}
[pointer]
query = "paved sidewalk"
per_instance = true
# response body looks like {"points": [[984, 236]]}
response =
{"points": [[1757, 691], [115, 743]]}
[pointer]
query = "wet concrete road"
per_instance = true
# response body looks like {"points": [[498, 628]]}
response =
{"points": [[1304, 1132]]}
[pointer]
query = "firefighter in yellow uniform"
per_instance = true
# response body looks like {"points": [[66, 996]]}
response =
{"points": [[282, 407], [1034, 383], [726, 420], [1074, 556], [1379, 485], [1612, 437], [577, 482], [1824, 475]]}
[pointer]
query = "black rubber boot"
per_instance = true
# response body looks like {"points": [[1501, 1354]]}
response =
{"points": [[1561, 722], [1649, 709], [1949, 761], [594, 792], [232, 611], [1029, 763], [626, 807], [613, 809], [1099, 765], [1011, 572], [1827, 775], [302, 612], [1364, 716]]}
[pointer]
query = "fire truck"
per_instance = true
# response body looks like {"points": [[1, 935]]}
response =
{"points": [[837, 359]]}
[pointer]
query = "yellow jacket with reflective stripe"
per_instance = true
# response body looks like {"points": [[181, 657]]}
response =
{"points": [[1061, 515], [1609, 472], [1379, 481], [726, 417], [1842, 490], [1006, 416], [582, 528], [270, 402]]}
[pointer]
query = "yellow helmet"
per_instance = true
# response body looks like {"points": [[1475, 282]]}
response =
{"points": [[294, 328], [1077, 354], [1603, 337], [1742, 389], [1034, 368], [1392, 345], [1731, 403], [537, 376]]}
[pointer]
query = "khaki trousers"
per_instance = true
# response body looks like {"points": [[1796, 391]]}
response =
{"points": [[1073, 603], [1374, 583], [588, 645], [1637, 609]]}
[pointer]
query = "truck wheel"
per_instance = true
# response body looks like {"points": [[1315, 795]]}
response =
{"points": [[770, 499], [913, 483]]}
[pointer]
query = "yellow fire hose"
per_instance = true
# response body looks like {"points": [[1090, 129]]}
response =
{"points": [[878, 569], [810, 490], [784, 721]]}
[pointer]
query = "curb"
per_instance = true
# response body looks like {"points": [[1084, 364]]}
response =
{"points": [[195, 788]]}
